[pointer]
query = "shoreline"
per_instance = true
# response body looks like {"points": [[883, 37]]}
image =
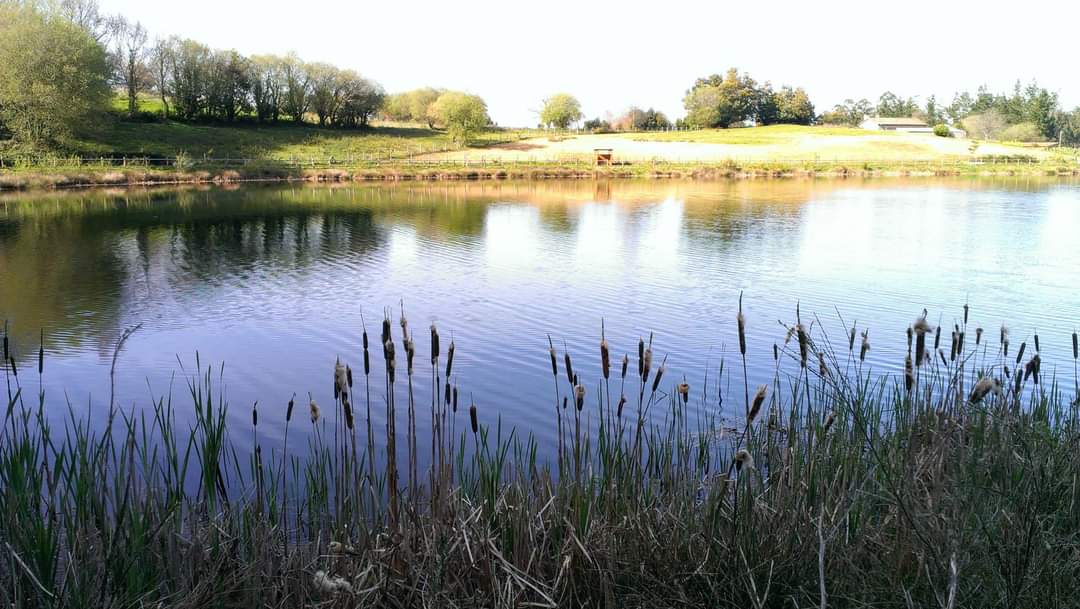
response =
{"points": [[64, 178]]}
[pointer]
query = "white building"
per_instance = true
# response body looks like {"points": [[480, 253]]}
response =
{"points": [[907, 125]]}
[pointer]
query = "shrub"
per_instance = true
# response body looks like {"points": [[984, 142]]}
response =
{"points": [[1022, 132], [942, 131]]}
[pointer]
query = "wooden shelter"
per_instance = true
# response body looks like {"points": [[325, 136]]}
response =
{"points": [[604, 156]]}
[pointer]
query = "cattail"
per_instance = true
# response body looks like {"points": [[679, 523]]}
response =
{"points": [[564, 402], [823, 369], [14, 369], [434, 344], [648, 365], [952, 354], [41, 354], [348, 412], [921, 326], [984, 386], [569, 368], [965, 314], [920, 348], [741, 321], [865, 345], [1019, 381], [960, 342], [348, 375], [410, 351], [313, 409], [775, 352], [804, 343], [625, 363], [255, 414], [622, 402], [1036, 342], [367, 358], [641, 357], [755, 406], [851, 340], [829, 420], [743, 459], [472, 419], [684, 392], [289, 409], [455, 400], [341, 380], [385, 329], [605, 358], [659, 375], [551, 352], [937, 338], [404, 324], [1020, 353], [450, 356], [978, 336], [909, 374], [1076, 347], [7, 354], [391, 362], [1032, 367], [944, 360], [579, 397], [446, 392], [910, 336]]}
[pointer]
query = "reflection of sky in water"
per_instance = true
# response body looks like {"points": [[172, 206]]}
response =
{"points": [[276, 281]]}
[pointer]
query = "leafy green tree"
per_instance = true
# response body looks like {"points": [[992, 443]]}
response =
{"points": [[130, 51], [986, 125], [850, 112], [189, 69], [297, 83], [228, 85], [53, 76], [326, 89], [892, 105], [267, 86], [461, 114], [560, 111], [959, 108], [421, 102], [793, 106], [358, 101], [721, 101]]}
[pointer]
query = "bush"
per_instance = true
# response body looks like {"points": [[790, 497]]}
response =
{"points": [[1022, 132], [942, 131]]}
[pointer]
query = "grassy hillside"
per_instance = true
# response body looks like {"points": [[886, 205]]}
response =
{"points": [[772, 134]]}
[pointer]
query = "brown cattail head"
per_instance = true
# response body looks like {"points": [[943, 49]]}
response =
{"points": [[965, 314], [960, 342], [1037, 350], [565, 401], [775, 352], [454, 400], [410, 351], [743, 459], [684, 392], [978, 336], [851, 339], [569, 368], [944, 360], [921, 326], [14, 368], [1019, 381], [391, 362], [920, 348], [385, 329], [755, 406], [404, 323], [348, 375], [339, 378], [829, 420], [313, 410], [865, 345], [648, 365], [367, 362], [741, 321], [446, 392], [1032, 367], [289, 409], [579, 397], [473, 420], [622, 402], [348, 412], [955, 339], [659, 375], [1020, 353], [605, 358], [255, 414], [937, 338], [7, 354], [983, 387], [41, 354], [910, 336], [804, 343], [625, 364], [823, 369], [434, 344], [450, 356], [551, 352], [1076, 347], [909, 374]]}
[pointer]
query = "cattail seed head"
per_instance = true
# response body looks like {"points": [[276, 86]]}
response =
{"points": [[865, 345], [648, 365], [965, 314], [921, 326], [348, 412], [14, 368], [619, 409], [289, 408], [569, 368], [255, 414], [367, 363], [920, 348], [684, 392], [1032, 367], [348, 375], [851, 339], [446, 392], [1020, 353], [910, 336], [741, 321], [473, 420], [823, 369], [41, 354], [434, 344], [909, 374], [313, 410], [641, 357], [804, 343], [937, 338], [385, 329], [410, 351], [829, 420], [983, 387], [659, 375], [743, 459], [455, 399], [1076, 347], [755, 406], [952, 353], [775, 352], [450, 356], [1037, 350], [960, 342], [551, 352], [626, 363], [564, 402], [978, 336], [605, 358], [579, 397]]}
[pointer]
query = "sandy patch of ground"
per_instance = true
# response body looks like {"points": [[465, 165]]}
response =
{"points": [[823, 148]]}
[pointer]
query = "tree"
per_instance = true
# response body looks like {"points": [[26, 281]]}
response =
{"points": [[297, 84], [793, 106], [53, 76], [420, 105], [560, 111], [721, 101], [850, 112], [461, 114], [396, 107], [892, 105], [985, 125], [325, 90], [160, 61], [130, 42], [189, 75], [959, 108], [228, 85], [267, 88], [360, 99]]}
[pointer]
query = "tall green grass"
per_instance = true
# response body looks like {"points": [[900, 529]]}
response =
{"points": [[952, 485]]}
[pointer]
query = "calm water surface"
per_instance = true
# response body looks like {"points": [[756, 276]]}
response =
{"points": [[276, 281]]}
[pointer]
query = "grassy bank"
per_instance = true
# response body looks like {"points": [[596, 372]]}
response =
{"points": [[68, 173], [951, 486]]}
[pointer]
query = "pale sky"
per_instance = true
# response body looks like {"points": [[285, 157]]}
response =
{"points": [[611, 55]]}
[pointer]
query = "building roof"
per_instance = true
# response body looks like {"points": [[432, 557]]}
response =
{"points": [[901, 121]]}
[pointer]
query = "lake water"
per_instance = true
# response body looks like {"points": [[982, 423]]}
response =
{"points": [[275, 281]]}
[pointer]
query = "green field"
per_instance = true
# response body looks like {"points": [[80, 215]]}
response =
{"points": [[760, 136]]}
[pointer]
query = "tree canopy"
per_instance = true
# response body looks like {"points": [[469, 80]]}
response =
{"points": [[560, 111], [734, 98], [461, 114]]}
